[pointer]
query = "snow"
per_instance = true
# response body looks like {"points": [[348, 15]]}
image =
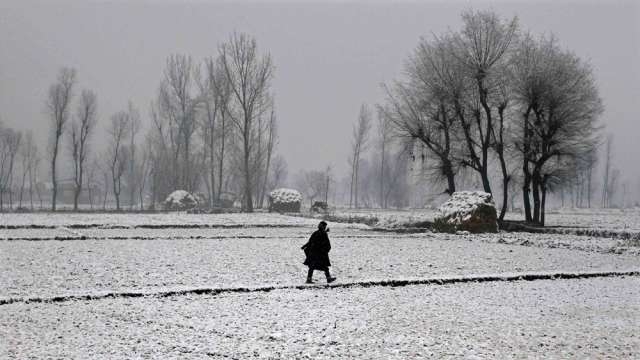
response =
{"points": [[155, 253], [180, 200], [256, 256], [594, 318], [464, 202], [168, 220], [285, 196]]}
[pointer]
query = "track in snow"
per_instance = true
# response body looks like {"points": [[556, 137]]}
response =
{"points": [[385, 283]]}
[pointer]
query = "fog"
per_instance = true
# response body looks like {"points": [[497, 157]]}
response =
{"points": [[330, 57]]}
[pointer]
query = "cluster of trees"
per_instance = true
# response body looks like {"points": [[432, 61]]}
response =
{"points": [[214, 126], [501, 103], [213, 132], [487, 107], [379, 169]]}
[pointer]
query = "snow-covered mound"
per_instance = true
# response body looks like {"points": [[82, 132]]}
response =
{"points": [[180, 200], [285, 200], [472, 211]]}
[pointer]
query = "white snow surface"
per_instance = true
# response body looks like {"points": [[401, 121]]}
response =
{"points": [[159, 259], [284, 195], [157, 219], [555, 319], [461, 204], [180, 198], [594, 318]]}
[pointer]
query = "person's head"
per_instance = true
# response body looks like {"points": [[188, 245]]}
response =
{"points": [[322, 225]]}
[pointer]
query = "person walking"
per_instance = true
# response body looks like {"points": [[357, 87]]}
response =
{"points": [[317, 253]]}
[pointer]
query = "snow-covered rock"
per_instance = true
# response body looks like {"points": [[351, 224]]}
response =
{"points": [[180, 200], [472, 211], [285, 200]]}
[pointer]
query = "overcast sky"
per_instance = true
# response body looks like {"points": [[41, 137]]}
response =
{"points": [[330, 57]]}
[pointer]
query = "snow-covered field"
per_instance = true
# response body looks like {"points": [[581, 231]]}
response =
{"points": [[160, 219], [559, 319], [154, 253], [619, 219]]}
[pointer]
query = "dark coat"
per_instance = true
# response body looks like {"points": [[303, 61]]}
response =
{"points": [[317, 251]]}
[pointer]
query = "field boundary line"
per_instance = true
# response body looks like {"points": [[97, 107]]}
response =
{"points": [[80, 237], [149, 226], [357, 284]]}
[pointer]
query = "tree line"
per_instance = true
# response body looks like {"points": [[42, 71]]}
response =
{"points": [[489, 106], [213, 131]]}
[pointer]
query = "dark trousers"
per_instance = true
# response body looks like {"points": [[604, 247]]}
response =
{"points": [[310, 274]]}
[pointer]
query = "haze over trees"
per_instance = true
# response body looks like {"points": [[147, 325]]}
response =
{"points": [[489, 106], [489, 96]]}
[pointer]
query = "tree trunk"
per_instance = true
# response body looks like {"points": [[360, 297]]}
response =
{"points": [[355, 183], [382, 205], [590, 176], [536, 199], [266, 177], [212, 174], [544, 199], [24, 174], [54, 183], [221, 162], [505, 185], [76, 195], [187, 171], [448, 171], [31, 187], [247, 174], [90, 196]]}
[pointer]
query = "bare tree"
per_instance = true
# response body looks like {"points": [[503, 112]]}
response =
{"points": [[359, 145], [134, 123], [279, 171], [26, 160], [9, 146], [272, 141], [606, 184], [249, 75], [177, 108], [145, 169], [215, 94], [384, 138], [560, 105], [328, 179], [118, 152], [426, 106], [92, 178], [58, 104], [313, 184], [81, 131], [34, 167], [482, 47]]}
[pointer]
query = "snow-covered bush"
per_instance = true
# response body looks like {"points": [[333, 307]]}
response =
{"points": [[285, 200], [180, 200], [320, 207], [472, 211]]}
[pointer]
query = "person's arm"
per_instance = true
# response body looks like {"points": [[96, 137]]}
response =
{"points": [[308, 244], [326, 244]]}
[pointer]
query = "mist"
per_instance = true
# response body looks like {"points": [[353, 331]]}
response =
{"points": [[329, 58]]}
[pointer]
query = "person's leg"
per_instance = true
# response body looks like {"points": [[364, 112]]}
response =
{"points": [[328, 275], [310, 275]]}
